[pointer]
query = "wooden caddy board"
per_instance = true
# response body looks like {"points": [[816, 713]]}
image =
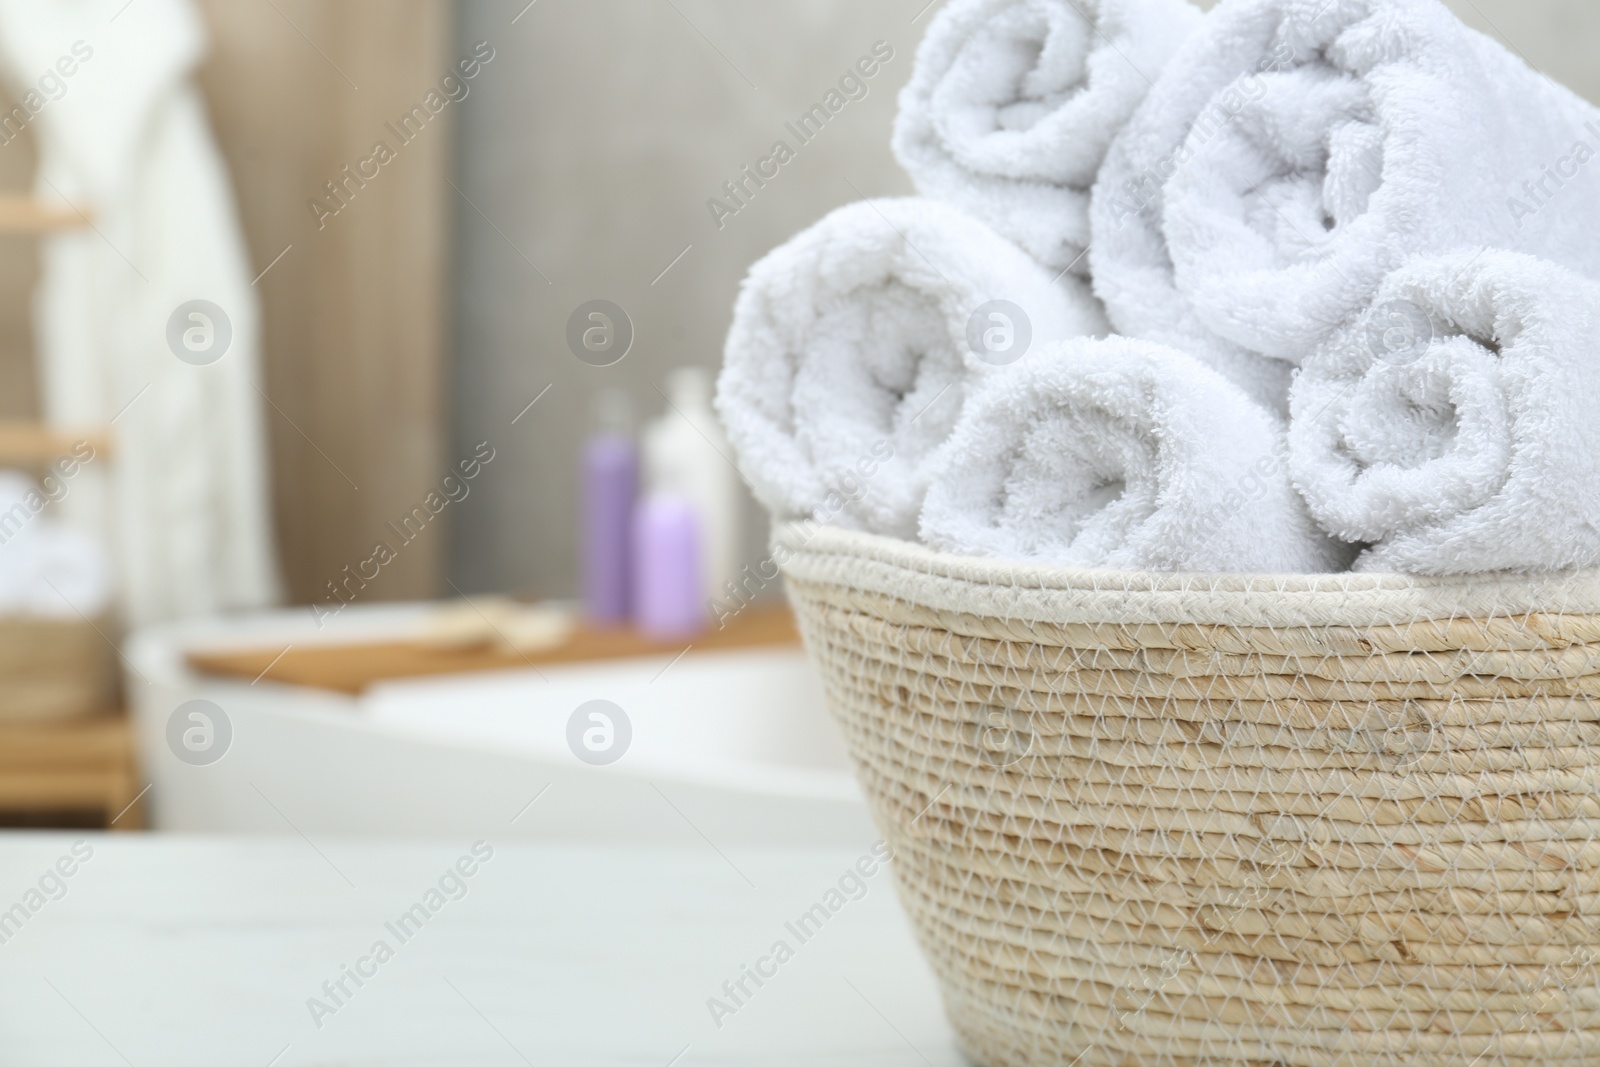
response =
{"points": [[351, 668]]}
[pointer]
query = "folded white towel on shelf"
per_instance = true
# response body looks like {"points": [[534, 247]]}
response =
{"points": [[1012, 105], [1452, 427], [68, 575], [20, 503], [849, 353], [47, 569], [1296, 151], [1121, 454]]}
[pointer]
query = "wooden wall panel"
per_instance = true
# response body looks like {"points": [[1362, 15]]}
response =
{"points": [[355, 310], [19, 272]]}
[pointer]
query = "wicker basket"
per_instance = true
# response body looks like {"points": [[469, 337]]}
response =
{"points": [[55, 669], [1165, 819]]}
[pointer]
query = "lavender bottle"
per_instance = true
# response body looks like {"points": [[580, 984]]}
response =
{"points": [[610, 486]]}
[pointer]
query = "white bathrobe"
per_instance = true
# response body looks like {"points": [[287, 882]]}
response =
{"points": [[183, 501]]}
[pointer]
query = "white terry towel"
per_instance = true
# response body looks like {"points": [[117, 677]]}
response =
{"points": [[1121, 454], [124, 138], [1296, 151], [1012, 104], [46, 568], [848, 357], [1453, 426], [69, 576]]}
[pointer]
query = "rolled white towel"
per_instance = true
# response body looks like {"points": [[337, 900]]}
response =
{"points": [[1122, 454], [1296, 151], [1012, 104], [849, 354], [1452, 426]]}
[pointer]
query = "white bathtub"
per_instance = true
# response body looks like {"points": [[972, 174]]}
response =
{"points": [[728, 747]]}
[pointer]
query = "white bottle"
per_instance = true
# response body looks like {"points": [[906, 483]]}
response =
{"points": [[687, 454]]}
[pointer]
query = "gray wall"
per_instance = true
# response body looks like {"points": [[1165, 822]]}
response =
{"points": [[592, 143], [1558, 37], [590, 146]]}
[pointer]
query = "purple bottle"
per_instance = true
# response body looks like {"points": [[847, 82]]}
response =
{"points": [[610, 480], [669, 604]]}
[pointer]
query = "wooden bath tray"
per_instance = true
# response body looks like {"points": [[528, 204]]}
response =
{"points": [[351, 668]]}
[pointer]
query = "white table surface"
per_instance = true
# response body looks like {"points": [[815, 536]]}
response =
{"points": [[175, 950]]}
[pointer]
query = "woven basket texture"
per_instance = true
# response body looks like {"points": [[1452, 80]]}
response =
{"points": [[1220, 819]]}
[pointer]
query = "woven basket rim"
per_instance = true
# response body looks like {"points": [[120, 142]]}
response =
{"points": [[913, 573]]}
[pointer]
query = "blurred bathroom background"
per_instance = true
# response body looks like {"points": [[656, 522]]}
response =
{"points": [[413, 317], [421, 319]]}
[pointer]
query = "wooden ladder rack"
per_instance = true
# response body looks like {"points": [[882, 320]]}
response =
{"points": [[24, 214], [79, 765]]}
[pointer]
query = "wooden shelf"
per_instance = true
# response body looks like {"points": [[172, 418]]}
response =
{"points": [[23, 214], [30, 444], [352, 667], [80, 765]]}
